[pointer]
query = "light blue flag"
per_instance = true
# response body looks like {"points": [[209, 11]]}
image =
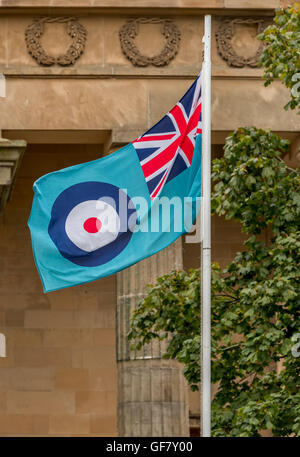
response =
{"points": [[95, 219]]}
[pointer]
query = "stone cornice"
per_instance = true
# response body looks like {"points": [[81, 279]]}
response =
{"points": [[141, 4], [11, 153], [137, 7], [97, 72]]}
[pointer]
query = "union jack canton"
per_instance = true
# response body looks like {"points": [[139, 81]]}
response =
{"points": [[167, 149]]}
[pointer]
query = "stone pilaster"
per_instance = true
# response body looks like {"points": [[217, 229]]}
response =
{"points": [[152, 392]]}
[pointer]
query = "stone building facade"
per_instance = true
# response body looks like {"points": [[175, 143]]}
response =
{"points": [[83, 78]]}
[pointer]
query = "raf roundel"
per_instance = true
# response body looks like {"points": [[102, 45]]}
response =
{"points": [[92, 222]]}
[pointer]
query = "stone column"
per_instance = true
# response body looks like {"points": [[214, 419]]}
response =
{"points": [[152, 392]]}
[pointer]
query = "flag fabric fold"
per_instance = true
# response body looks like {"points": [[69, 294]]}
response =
{"points": [[92, 220]]}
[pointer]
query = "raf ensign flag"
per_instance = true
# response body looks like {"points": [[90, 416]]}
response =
{"points": [[95, 219]]}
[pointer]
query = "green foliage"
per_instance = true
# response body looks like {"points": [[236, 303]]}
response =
{"points": [[281, 56], [255, 300], [254, 323], [246, 189]]}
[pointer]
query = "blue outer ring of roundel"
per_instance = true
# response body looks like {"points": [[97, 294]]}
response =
{"points": [[78, 193]]}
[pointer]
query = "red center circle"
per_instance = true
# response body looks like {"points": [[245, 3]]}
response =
{"points": [[92, 225]]}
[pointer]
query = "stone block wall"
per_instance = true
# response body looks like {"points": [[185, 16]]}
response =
{"points": [[59, 376]]}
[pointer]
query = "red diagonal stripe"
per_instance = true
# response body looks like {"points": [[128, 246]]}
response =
{"points": [[188, 148], [161, 159], [193, 122], [179, 118], [155, 138], [158, 188]]}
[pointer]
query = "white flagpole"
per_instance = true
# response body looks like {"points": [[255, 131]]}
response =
{"points": [[206, 237]]}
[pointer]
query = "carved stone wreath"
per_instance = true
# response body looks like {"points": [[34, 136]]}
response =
{"points": [[75, 30], [224, 35], [130, 30]]}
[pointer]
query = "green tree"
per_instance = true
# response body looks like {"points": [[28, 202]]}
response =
{"points": [[255, 300], [254, 324], [281, 55]]}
